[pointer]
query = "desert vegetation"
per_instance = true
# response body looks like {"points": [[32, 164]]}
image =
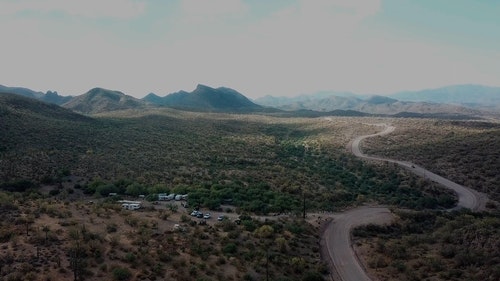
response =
{"points": [[48, 239], [457, 245], [214, 156], [464, 151], [57, 169]]}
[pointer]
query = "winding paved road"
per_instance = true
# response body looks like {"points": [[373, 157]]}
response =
{"points": [[337, 240], [336, 236], [467, 198]]}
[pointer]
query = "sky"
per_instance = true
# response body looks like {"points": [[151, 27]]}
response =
{"points": [[257, 47]]}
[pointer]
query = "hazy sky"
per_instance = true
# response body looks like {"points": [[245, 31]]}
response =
{"points": [[257, 47]]}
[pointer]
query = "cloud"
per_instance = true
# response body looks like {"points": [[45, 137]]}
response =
{"points": [[117, 9], [196, 12], [305, 46]]}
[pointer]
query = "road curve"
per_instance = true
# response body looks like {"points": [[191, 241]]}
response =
{"points": [[467, 198], [337, 240], [336, 235]]}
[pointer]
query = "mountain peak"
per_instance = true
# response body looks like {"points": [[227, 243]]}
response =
{"points": [[380, 100], [206, 98], [98, 100], [203, 87]]}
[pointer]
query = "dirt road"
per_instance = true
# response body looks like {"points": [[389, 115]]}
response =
{"points": [[336, 235], [467, 198], [338, 242]]}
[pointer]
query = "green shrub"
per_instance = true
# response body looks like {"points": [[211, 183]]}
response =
{"points": [[121, 274], [230, 249]]}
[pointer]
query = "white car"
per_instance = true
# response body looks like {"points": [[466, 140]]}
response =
{"points": [[207, 216], [221, 218], [194, 213]]}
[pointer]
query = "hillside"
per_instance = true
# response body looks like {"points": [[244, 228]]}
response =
{"points": [[205, 98], [14, 106], [100, 100], [30, 131]]}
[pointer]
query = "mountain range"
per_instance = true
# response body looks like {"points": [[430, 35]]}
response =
{"points": [[460, 100], [466, 95], [457, 98], [372, 105]]}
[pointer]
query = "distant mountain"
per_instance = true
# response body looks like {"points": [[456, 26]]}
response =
{"points": [[100, 100], [302, 99], [205, 98], [50, 97], [466, 95], [55, 98], [21, 91], [154, 99], [371, 105], [324, 104], [374, 100]]}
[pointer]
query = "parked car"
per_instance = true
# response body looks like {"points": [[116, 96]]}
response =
{"points": [[194, 213], [207, 216], [199, 215], [221, 218]]}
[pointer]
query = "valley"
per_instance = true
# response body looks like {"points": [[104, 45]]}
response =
{"points": [[262, 169]]}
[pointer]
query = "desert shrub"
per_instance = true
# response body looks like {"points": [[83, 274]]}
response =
{"points": [[111, 227], [130, 257], [249, 225], [17, 186], [230, 249], [313, 276], [121, 274], [54, 192]]}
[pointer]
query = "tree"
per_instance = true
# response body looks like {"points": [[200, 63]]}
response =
{"points": [[264, 231]]}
